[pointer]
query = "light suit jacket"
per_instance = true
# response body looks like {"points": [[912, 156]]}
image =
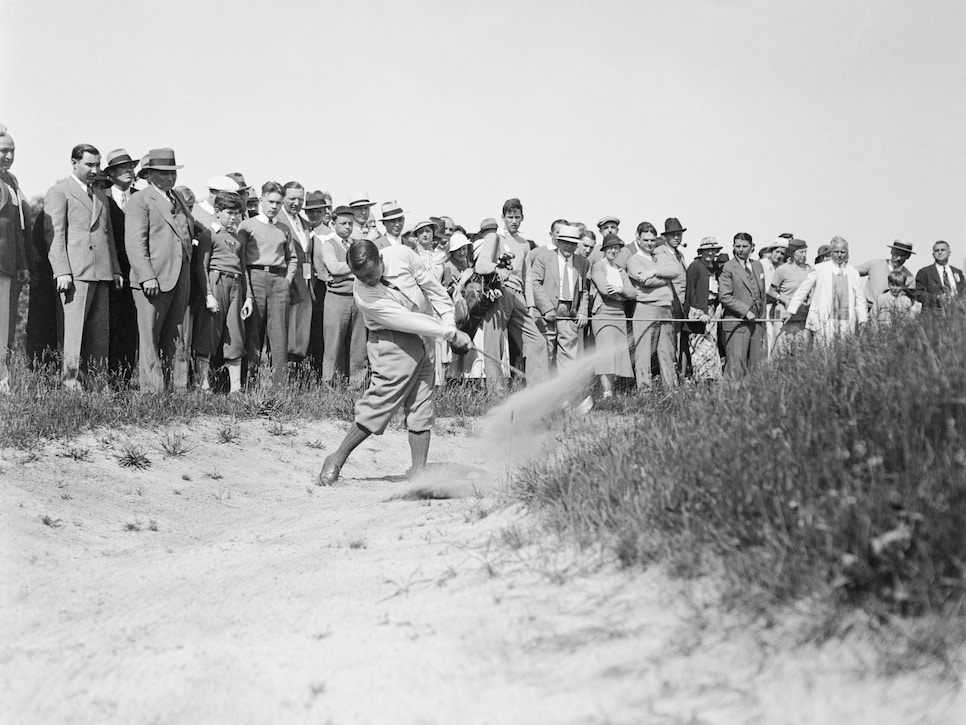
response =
{"points": [[820, 284], [79, 233], [157, 240], [545, 274]]}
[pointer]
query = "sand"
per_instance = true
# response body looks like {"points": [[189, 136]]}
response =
{"points": [[222, 586]]}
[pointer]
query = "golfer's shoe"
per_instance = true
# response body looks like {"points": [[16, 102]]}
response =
{"points": [[329, 473]]}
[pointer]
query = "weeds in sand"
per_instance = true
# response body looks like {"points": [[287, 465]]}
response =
{"points": [[66, 496], [277, 428], [134, 457], [173, 444], [223, 495], [403, 585], [133, 525], [30, 457], [228, 433], [317, 444], [512, 537], [185, 477], [152, 525], [52, 523], [214, 475], [77, 453], [359, 543]]}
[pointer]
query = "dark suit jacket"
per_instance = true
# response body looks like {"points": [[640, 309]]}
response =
{"points": [[117, 225], [79, 234], [929, 286], [156, 239], [736, 291], [13, 242], [302, 289]]}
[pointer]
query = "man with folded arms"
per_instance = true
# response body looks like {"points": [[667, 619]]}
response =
{"points": [[80, 247], [272, 266], [157, 235], [405, 309]]}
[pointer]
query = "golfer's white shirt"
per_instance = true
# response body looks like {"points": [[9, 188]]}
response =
{"points": [[409, 301]]}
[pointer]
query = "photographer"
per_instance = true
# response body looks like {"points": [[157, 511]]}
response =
{"points": [[505, 256]]}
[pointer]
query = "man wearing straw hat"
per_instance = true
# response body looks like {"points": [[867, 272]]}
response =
{"points": [[393, 220], [361, 209], [878, 270], [405, 309], [158, 238], [560, 295]]}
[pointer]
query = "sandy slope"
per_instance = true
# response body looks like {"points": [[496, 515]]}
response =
{"points": [[260, 598]]}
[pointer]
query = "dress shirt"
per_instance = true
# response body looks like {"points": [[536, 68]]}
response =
{"points": [[121, 197], [950, 277], [566, 275], [298, 230], [406, 298]]}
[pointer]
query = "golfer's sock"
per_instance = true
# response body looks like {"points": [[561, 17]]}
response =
{"points": [[419, 447]]}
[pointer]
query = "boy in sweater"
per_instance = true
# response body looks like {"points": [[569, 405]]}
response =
{"points": [[220, 328], [896, 303]]}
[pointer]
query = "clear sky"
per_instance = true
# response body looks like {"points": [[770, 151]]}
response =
{"points": [[816, 117]]}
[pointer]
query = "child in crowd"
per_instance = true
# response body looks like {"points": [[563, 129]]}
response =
{"points": [[220, 328], [896, 303]]}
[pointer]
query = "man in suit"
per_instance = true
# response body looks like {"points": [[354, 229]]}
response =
{"points": [[361, 212], [300, 305], [838, 305], [14, 270], [939, 282], [123, 342], [393, 220], [317, 207], [157, 234], [83, 259], [878, 270], [560, 295], [741, 291]]}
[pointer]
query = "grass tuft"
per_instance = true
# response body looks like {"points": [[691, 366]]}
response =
{"points": [[134, 457]]}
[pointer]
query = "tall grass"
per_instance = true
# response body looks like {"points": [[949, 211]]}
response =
{"points": [[839, 471]]}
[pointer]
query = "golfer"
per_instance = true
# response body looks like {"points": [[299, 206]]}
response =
{"points": [[397, 296]]}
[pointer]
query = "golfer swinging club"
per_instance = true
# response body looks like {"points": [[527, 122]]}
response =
{"points": [[397, 297]]}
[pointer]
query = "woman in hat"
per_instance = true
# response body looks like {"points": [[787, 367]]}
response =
{"points": [[610, 328], [787, 279], [701, 305], [465, 289]]}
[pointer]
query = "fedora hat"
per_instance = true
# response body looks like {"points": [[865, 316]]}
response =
{"points": [[161, 160], [568, 233], [222, 183], [118, 157], [315, 200], [901, 246], [673, 226], [489, 225], [605, 219], [359, 198], [239, 179], [458, 241], [708, 243], [391, 210], [611, 240]]}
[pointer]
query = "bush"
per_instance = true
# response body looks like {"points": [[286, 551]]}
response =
{"points": [[841, 470]]}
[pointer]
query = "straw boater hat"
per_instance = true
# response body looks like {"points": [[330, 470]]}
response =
{"points": [[604, 219], [315, 200], [161, 160], [568, 233], [118, 157], [611, 240], [901, 246], [391, 210], [222, 183], [359, 199]]}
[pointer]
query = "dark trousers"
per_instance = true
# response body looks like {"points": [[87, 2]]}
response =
{"points": [[316, 330], [123, 324], [744, 346]]}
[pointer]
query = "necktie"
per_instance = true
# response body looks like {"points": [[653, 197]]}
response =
{"points": [[90, 192], [947, 288], [565, 285]]}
